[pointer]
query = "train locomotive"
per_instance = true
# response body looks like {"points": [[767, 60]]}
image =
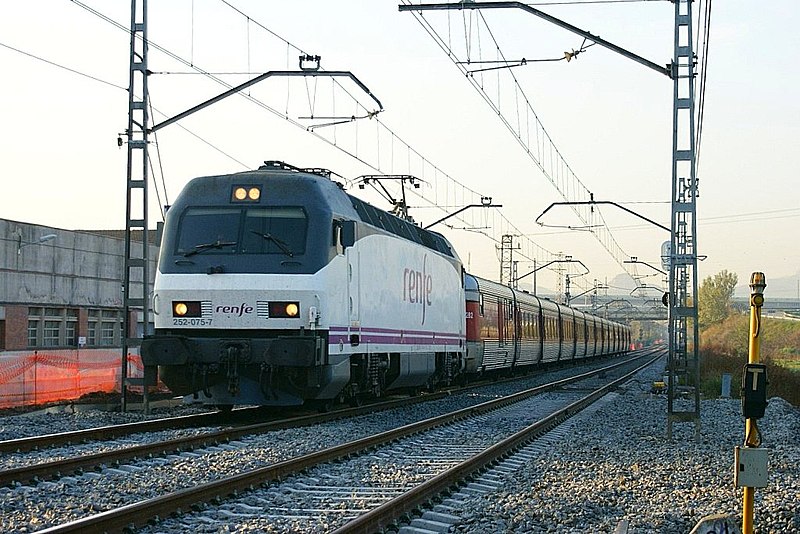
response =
{"points": [[277, 287]]}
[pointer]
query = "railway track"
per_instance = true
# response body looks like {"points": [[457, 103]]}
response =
{"points": [[57, 468], [398, 497], [240, 417], [115, 431], [78, 463]]}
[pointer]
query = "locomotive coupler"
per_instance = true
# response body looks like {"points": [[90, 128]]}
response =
{"points": [[233, 370], [204, 369], [266, 381], [232, 353]]}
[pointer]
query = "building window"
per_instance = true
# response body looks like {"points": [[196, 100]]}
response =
{"points": [[33, 333], [71, 333], [109, 327], [92, 331], [107, 333], [52, 331], [58, 327]]}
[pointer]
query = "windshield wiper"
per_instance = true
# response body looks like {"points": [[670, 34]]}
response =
{"points": [[281, 245], [205, 246]]}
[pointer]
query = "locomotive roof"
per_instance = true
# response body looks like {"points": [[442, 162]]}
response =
{"points": [[330, 195]]}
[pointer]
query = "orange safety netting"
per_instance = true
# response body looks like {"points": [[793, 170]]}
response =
{"points": [[53, 375]]}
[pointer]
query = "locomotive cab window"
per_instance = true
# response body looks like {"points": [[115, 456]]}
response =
{"points": [[257, 230], [207, 229], [274, 231]]}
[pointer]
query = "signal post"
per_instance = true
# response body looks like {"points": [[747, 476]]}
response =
{"points": [[751, 460]]}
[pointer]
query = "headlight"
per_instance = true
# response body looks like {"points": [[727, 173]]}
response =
{"points": [[284, 309], [246, 193], [184, 308]]}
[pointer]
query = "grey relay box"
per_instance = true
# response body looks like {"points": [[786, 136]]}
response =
{"points": [[750, 469]]}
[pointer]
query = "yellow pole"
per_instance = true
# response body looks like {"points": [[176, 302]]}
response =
{"points": [[757, 284]]}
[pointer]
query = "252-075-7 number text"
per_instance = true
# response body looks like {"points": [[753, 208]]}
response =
{"points": [[184, 321]]}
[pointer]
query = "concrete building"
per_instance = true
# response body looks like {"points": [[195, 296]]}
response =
{"points": [[60, 311]]}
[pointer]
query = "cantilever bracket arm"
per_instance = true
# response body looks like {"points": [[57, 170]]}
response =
{"points": [[261, 77], [666, 70], [582, 293], [592, 202], [489, 205], [539, 268]]}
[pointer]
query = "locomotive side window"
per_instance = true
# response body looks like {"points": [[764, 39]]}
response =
{"points": [[336, 236]]}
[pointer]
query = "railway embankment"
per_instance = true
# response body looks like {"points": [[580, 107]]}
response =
{"points": [[620, 468], [600, 470]]}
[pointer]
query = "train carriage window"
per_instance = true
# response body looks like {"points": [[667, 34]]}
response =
{"points": [[501, 331], [489, 326], [526, 325]]}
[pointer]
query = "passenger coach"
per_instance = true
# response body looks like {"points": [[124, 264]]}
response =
{"points": [[508, 328]]}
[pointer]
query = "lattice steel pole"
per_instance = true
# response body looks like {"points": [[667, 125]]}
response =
{"points": [[136, 205], [683, 391], [506, 260]]}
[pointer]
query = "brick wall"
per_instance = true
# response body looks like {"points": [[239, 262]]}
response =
{"points": [[16, 334]]}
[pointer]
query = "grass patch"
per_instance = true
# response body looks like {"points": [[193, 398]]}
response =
{"points": [[724, 348]]}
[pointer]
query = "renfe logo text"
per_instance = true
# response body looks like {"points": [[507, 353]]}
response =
{"points": [[417, 287], [237, 310]]}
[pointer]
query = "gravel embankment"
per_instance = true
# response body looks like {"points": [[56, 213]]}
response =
{"points": [[621, 467], [31, 507], [37, 423], [618, 466]]}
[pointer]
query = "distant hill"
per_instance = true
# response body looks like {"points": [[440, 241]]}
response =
{"points": [[786, 287]]}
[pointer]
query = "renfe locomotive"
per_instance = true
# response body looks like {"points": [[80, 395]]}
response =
{"points": [[276, 287]]}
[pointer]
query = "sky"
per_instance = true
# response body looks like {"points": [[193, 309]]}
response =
{"points": [[610, 119]]}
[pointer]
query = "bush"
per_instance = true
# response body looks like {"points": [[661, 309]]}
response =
{"points": [[724, 349]]}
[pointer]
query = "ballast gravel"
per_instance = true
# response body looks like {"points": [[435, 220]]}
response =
{"points": [[53, 422], [620, 466], [26, 508]]}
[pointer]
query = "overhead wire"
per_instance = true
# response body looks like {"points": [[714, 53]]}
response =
{"points": [[584, 2], [54, 64], [706, 25], [116, 86], [533, 251], [191, 64], [410, 150], [605, 238], [161, 169]]}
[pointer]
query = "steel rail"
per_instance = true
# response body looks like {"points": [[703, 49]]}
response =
{"points": [[237, 416], [139, 513], [109, 432], [389, 512], [66, 466], [206, 419]]}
